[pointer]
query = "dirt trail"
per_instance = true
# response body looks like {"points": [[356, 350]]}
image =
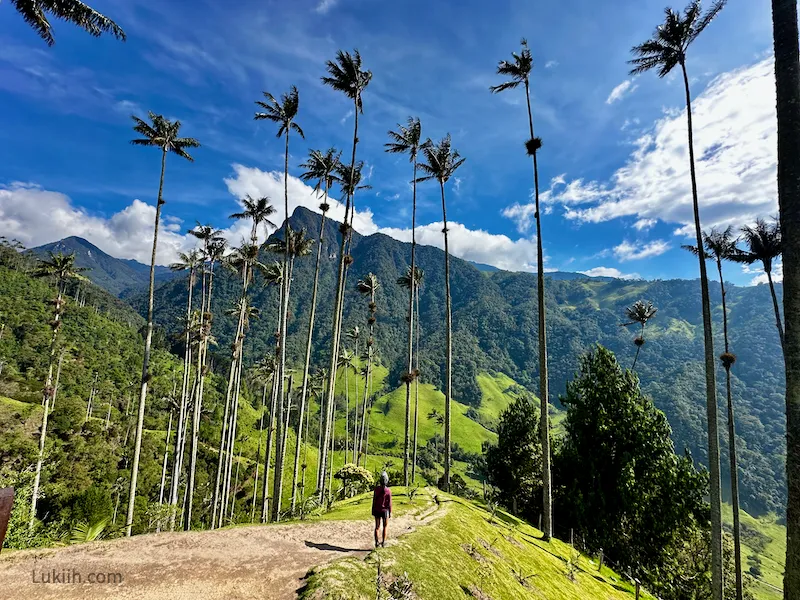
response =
{"points": [[244, 562]]}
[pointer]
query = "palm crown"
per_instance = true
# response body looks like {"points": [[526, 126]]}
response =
{"points": [[667, 48], [518, 70], [322, 167], [61, 266], [763, 241], [282, 112], [273, 272], [349, 179], [441, 160], [368, 285], [163, 133], [299, 243], [405, 279], [346, 75], [640, 312], [35, 14], [406, 139], [259, 210]]}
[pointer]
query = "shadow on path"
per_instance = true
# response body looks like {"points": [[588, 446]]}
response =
{"points": [[330, 548]]}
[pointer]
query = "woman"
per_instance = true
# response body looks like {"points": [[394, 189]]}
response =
{"points": [[382, 506]]}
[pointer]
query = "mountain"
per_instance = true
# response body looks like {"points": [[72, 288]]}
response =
{"points": [[120, 277], [495, 331]]}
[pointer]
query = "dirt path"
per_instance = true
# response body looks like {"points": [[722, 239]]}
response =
{"points": [[244, 562]]}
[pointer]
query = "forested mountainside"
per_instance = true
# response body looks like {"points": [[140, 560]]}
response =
{"points": [[494, 320]]}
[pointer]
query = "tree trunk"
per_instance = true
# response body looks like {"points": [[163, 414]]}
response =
{"points": [[258, 454], [411, 291], [711, 384], [777, 311], [307, 364], [164, 467], [58, 379], [449, 348], [268, 457], [337, 311], [787, 80], [47, 395], [544, 394], [737, 543], [416, 397], [137, 449], [231, 444], [282, 393]]}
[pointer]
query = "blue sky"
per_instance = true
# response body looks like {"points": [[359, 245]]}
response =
{"points": [[613, 167]]}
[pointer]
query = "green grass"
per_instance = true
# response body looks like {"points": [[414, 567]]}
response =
{"points": [[765, 538], [466, 552], [495, 395]]}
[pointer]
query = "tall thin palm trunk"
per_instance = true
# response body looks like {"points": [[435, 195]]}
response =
{"points": [[638, 348], [777, 310], [544, 384], [411, 291], [727, 363], [448, 346], [416, 396], [307, 364], [47, 396], [282, 393], [258, 453], [148, 341], [711, 383], [164, 465], [268, 455], [338, 307], [787, 80]]}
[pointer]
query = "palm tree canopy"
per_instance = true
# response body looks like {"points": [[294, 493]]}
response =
{"points": [[354, 334], [346, 75], [346, 359], [517, 70], [299, 243], [405, 279], [667, 48], [407, 139], [35, 14], [61, 266], [258, 209], [163, 133], [763, 241], [350, 179], [441, 160], [187, 261], [640, 312], [273, 272], [322, 167], [283, 112], [368, 285]]}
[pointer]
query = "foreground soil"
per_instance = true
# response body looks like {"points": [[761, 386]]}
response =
{"points": [[245, 562]]}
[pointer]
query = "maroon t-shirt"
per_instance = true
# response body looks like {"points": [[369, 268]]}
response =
{"points": [[381, 501]]}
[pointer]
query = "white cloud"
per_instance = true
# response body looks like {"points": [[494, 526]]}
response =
{"points": [[609, 272], [735, 146], [644, 224], [759, 276], [630, 251], [325, 5], [623, 89], [551, 64]]}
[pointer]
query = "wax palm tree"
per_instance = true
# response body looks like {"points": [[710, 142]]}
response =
{"points": [[408, 140], [354, 335], [719, 246], [441, 162], [666, 50], [345, 75], [368, 286], [787, 80], [347, 362], [763, 244], [639, 313], [190, 261], [163, 134], [258, 210], [406, 282], [34, 12], [61, 268], [322, 168], [518, 72]]}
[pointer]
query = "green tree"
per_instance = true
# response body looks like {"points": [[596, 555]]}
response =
{"points": [[666, 50], [787, 82], [763, 244], [514, 463], [621, 485], [347, 76], [163, 134], [441, 162], [62, 269], [322, 168], [640, 312], [35, 14], [518, 71], [408, 140]]}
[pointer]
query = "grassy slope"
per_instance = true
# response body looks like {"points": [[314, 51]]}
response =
{"points": [[464, 553], [765, 538]]}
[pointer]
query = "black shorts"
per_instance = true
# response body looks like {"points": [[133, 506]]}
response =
{"points": [[382, 516]]}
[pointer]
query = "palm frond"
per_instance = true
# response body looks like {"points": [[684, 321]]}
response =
{"points": [[74, 11]]}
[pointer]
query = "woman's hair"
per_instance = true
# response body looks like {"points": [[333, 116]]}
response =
{"points": [[384, 480]]}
